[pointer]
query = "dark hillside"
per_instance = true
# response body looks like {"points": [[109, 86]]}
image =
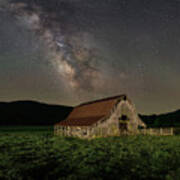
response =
{"points": [[31, 113], [171, 119]]}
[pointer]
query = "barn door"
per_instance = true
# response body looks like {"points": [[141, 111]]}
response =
{"points": [[123, 124]]}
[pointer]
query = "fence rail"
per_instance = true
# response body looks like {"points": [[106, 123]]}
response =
{"points": [[158, 131]]}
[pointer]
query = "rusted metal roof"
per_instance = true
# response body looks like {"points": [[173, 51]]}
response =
{"points": [[89, 113], [87, 121]]}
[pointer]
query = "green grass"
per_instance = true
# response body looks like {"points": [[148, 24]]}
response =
{"points": [[29, 155]]}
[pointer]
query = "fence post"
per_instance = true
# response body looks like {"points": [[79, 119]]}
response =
{"points": [[172, 131], [150, 131], [161, 131]]}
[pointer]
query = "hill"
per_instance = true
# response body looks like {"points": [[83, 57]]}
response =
{"points": [[31, 113], [171, 119], [36, 113]]}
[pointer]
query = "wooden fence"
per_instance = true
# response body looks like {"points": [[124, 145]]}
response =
{"points": [[158, 131]]}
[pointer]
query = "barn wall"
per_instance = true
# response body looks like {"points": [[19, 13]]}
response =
{"points": [[76, 131], [110, 126], [126, 108]]}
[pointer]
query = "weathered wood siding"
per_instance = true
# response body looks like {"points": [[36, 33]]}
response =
{"points": [[111, 126], [76, 131]]}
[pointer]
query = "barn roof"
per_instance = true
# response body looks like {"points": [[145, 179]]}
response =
{"points": [[89, 113]]}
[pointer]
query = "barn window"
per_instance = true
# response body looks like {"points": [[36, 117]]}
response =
{"points": [[140, 127], [123, 117]]}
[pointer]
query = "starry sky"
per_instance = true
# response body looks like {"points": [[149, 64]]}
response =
{"points": [[72, 51]]}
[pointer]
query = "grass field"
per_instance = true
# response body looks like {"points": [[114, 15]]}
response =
{"points": [[34, 153], [26, 129]]}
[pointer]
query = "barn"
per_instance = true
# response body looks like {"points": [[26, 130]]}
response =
{"points": [[111, 116]]}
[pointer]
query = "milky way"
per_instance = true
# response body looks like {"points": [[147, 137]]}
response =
{"points": [[70, 51]]}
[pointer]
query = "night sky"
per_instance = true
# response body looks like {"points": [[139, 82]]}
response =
{"points": [[72, 51]]}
